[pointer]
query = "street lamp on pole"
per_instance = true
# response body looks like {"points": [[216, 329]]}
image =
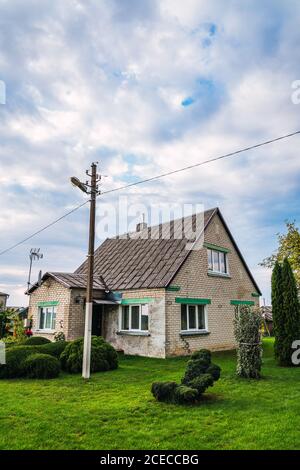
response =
{"points": [[92, 190]]}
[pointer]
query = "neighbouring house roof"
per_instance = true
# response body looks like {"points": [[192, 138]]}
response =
{"points": [[71, 281], [2, 294], [135, 261], [267, 313]]}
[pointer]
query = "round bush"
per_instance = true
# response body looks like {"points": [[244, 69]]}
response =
{"points": [[54, 349], [103, 356], [15, 358], [41, 366], [36, 340]]}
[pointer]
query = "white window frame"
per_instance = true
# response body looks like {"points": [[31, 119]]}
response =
{"points": [[54, 309], [197, 329], [216, 271], [139, 330]]}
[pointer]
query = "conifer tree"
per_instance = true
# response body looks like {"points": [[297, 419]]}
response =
{"points": [[291, 313], [277, 311]]}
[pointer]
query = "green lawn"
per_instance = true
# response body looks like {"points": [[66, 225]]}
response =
{"points": [[115, 410]]}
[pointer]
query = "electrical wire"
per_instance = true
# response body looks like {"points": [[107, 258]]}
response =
{"points": [[162, 175]]}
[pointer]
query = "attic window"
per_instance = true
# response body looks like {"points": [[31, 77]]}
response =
{"points": [[217, 261]]}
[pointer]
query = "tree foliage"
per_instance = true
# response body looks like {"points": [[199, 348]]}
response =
{"points": [[247, 325], [277, 310], [288, 247], [286, 311], [291, 312]]}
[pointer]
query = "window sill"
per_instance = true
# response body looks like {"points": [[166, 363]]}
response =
{"points": [[133, 333], [215, 274], [195, 333], [46, 332]]}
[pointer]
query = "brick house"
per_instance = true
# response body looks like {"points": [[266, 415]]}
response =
{"points": [[153, 296]]}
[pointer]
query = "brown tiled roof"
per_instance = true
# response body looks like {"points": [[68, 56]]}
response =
{"points": [[132, 261], [71, 280], [135, 261]]}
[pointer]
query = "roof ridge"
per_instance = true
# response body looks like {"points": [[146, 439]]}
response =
{"points": [[150, 227]]}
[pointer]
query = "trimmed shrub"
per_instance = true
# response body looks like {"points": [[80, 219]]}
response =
{"points": [[41, 366], [54, 349], [103, 356], [202, 382], [200, 374], [15, 358], [194, 369], [247, 324], [36, 340], [203, 354], [164, 391], [184, 394]]}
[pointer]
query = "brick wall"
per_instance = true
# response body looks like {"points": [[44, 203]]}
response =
{"points": [[152, 345], [51, 290], [195, 283]]}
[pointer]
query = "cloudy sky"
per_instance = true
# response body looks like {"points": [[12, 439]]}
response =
{"points": [[145, 86]]}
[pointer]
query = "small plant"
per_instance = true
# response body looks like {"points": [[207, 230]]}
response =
{"points": [[103, 356], [59, 336], [247, 325], [36, 340], [41, 366], [200, 374]]}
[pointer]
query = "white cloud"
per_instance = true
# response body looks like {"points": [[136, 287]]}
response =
{"points": [[106, 80]]}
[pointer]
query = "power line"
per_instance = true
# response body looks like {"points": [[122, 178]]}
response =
{"points": [[231, 154], [43, 228], [162, 175]]}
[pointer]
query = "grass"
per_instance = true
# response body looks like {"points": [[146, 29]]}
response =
{"points": [[115, 410]]}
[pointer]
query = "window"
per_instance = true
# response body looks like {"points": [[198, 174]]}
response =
{"points": [[193, 317], [47, 318], [135, 318], [217, 261]]}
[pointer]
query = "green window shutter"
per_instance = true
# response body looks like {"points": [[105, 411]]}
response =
{"points": [[211, 246], [144, 300], [173, 288], [242, 302], [51, 303], [192, 301], [255, 294]]}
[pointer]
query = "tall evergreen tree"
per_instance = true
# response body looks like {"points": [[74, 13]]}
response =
{"points": [[291, 312], [277, 311]]}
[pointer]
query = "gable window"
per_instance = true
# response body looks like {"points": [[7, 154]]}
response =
{"points": [[217, 261], [135, 318], [47, 318], [193, 317]]}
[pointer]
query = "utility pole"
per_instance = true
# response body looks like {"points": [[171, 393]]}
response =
{"points": [[93, 191]]}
